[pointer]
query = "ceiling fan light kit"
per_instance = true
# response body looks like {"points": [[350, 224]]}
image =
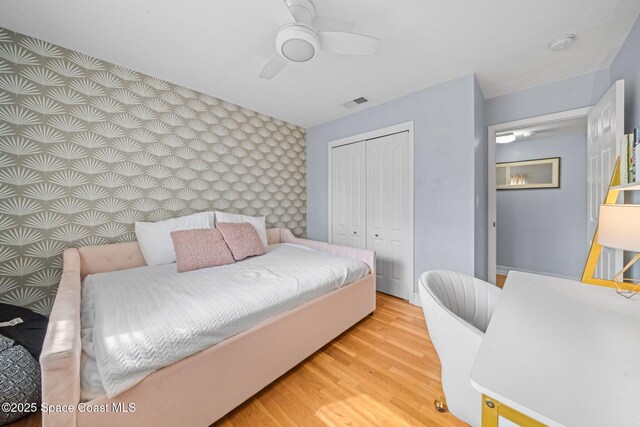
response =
{"points": [[297, 43], [505, 138], [298, 40]]}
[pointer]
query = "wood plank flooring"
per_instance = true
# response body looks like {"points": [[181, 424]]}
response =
{"points": [[382, 371], [500, 279], [32, 420]]}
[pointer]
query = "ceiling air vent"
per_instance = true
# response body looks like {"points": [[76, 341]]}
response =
{"points": [[355, 102]]}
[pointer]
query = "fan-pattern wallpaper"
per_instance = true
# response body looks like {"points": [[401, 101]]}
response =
{"points": [[87, 148]]}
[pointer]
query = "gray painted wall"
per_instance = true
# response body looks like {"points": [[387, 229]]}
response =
{"points": [[627, 66], [545, 230], [443, 118], [576, 92]]}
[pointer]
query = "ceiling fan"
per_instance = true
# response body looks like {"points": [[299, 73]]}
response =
{"points": [[299, 41]]}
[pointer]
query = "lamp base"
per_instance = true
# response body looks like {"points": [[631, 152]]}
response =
{"points": [[619, 280], [623, 288]]}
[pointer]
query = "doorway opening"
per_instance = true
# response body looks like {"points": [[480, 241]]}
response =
{"points": [[537, 204]]}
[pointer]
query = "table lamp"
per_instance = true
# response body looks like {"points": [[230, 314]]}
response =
{"points": [[619, 228]]}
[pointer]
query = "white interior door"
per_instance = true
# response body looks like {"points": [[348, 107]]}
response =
{"points": [[348, 195], [605, 132], [389, 206]]}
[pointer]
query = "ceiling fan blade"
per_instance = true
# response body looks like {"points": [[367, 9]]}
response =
{"points": [[279, 11], [273, 67], [331, 23], [348, 43]]}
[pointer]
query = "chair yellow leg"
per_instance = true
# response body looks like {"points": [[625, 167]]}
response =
{"points": [[440, 404]]}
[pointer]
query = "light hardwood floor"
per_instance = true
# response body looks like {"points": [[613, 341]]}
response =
{"points": [[382, 371], [500, 279], [30, 421]]}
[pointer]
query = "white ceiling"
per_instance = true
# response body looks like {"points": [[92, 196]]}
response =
{"points": [[219, 46]]}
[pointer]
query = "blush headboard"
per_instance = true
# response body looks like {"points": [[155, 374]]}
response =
{"points": [[122, 256]]}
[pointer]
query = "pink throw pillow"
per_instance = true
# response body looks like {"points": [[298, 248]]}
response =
{"points": [[200, 248], [242, 238]]}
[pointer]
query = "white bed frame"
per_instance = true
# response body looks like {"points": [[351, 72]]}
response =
{"points": [[202, 388]]}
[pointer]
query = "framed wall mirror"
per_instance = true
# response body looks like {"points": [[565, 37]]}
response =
{"points": [[528, 174]]}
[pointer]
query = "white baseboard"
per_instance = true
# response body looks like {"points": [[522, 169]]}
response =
{"points": [[504, 270], [416, 300]]}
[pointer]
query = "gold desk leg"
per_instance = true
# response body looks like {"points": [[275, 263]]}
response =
{"points": [[492, 409], [489, 412]]}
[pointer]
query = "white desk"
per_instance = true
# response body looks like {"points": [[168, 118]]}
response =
{"points": [[563, 353]]}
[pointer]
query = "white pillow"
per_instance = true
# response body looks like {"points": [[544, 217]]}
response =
{"points": [[258, 223], [155, 237]]}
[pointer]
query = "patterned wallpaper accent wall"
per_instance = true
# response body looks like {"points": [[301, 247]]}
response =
{"points": [[87, 148]]}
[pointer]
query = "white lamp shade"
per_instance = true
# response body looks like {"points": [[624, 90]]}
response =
{"points": [[619, 227]]}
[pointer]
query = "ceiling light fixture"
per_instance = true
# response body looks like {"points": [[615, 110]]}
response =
{"points": [[505, 138], [561, 42], [297, 43], [524, 134]]}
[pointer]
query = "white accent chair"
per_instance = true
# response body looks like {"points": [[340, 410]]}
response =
{"points": [[458, 308]]}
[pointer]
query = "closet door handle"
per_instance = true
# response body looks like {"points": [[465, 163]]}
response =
{"points": [[377, 235], [355, 233]]}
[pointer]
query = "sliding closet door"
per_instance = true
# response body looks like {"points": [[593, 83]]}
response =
{"points": [[389, 204], [348, 195]]}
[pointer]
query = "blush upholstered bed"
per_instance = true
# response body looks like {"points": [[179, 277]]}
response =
{"points": [[203, 387]]}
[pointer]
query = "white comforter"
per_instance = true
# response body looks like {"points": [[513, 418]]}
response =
{"points": [[139, 320]]}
